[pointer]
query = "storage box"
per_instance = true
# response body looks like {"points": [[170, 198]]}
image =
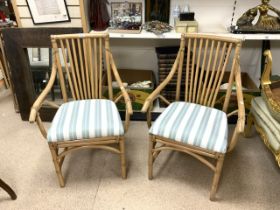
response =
{"points": [[250, 90], [137, 95], [187, 16], [186, 26]]}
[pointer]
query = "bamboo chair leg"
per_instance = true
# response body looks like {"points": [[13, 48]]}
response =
{"points": [[151, 157], [216, 177], [123, 161], [62, 159], [8, 189], [248, 128], [57, 165]]}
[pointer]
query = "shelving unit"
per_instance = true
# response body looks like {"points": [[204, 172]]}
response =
{"points": [[173, 35]]}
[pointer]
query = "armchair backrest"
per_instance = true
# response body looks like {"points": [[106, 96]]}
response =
{"points": [[201, 64], [80, 60]]}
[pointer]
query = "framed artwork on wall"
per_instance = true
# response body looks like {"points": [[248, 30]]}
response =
{"points": [[50, 11], [157, 10], [127, 16]]}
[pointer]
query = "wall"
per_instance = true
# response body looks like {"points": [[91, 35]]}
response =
{"points": [[73, 7], [213, 16]]}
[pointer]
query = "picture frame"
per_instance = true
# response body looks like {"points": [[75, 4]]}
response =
{"points": [[50, 11], [126, 16], [157, 10]]}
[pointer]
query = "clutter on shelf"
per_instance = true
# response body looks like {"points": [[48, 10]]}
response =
{"points": [[184, 20], [264, 18], [157, 27], [126, 17]]}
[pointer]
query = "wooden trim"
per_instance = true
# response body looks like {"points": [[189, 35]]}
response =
{"points": [[15, 8], [198, 157], [83, 16], [181, 145], [16, 41], [107, 148], [213, 37]]}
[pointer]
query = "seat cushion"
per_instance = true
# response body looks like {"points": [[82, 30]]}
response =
{"points": [[194, 125], [270, 126], [85, 119]]}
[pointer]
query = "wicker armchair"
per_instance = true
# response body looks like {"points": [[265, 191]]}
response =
{"points": [[87, 120], [191, 124]]}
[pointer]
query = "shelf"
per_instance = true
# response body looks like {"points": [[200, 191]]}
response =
{"points": [[146, 35], [174, 35], [253, 36]]}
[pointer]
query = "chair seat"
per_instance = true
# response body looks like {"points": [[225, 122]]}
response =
{"points": [[264, 119], [194, 125], [85, 119]]}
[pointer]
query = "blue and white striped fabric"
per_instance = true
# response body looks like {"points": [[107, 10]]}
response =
{"points": [[85, 119], [193, 124]]}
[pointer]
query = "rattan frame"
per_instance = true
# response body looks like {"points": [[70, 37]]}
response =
{"points": [[196, 93], [86, 83]]}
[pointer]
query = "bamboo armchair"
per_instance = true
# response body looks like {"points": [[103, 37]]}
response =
{"points": [[192, 125], [85, 119]]}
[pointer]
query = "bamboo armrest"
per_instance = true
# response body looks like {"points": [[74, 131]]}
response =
{"points": [[122, 88], [149, 100], [240, 125], [240, 101], [41, 98], [147, 103]]}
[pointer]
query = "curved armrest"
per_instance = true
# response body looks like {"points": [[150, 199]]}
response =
{"points": [[122, 88], [240, 100], [162, 85], [240, 125], [265, 78], [39, 101]]}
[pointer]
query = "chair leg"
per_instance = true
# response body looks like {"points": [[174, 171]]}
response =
{"points": [[149, 117], [150, 157], [57, 165], [8, 189], [248, 128], [216, 177], [62, 159], [123, 161]]}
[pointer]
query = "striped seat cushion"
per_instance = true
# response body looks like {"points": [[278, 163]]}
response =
{"points": [[85, 119], [267, 122], [193, 124]]}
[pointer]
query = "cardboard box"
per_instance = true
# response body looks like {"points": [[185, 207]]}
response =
{"points": [[186, 26], [137, 95], [250, 90]]}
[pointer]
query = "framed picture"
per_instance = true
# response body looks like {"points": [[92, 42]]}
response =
{"points": [[127, 15], [157, 10], [50, 11]]}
